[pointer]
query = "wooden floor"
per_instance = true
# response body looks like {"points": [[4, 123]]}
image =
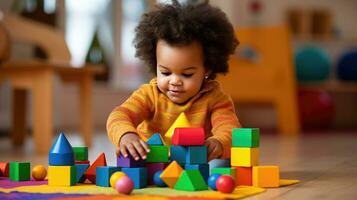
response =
{"points": [[325, 163]]}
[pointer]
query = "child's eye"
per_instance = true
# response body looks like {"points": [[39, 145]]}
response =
{"points": [[165, 73], [187, 75]]}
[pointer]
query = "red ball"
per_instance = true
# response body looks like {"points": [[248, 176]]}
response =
{"points": [[225, 184], [124, 185]]}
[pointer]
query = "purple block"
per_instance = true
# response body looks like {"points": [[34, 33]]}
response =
{"points": [[129, 162], [152, 168]]}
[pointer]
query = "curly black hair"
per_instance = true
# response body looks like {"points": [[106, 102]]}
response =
{"points": [[182, 24]]}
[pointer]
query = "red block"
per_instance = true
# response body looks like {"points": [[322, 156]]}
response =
{"points": [[90, 172], [244, 175], [152, 169], [188, 137], [81, 162], [4, 168]]}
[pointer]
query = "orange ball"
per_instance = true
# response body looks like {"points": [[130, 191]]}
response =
{"points": [[39, 172], [115, 177]]}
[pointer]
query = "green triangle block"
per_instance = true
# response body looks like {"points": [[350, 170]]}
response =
{"points": [[191, 180]]}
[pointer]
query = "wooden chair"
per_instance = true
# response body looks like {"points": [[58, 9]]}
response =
{"points": [[37, 76], [262, 71]]}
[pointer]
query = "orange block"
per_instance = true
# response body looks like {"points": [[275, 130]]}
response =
{"points": [[171, 174], [244, 175], [266, 176], [4, 168], [90, 172]]}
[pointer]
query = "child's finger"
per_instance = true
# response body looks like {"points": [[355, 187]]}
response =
{"points": [[123, 151], [146, 146], [132, 151], [140, 149]]}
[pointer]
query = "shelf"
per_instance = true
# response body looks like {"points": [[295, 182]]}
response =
{"points": [[331, 86]]}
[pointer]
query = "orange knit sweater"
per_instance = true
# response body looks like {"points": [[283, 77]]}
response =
{"points": [[148, 111]]}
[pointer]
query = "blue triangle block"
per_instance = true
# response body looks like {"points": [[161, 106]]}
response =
{"points": [[155, 140], [80, 169], [61, 152]]}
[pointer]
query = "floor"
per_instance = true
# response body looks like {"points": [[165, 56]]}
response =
{"points": [[325, 163]]}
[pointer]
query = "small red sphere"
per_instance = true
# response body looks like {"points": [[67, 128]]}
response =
{"points": [[124, 185], [225, 184]]}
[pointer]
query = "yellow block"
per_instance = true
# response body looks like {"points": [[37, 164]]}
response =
{"points": [[61, 175], [171, 174], [266, 176], [181, 121], [244, 157]]}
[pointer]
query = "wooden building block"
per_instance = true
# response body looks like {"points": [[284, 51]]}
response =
{"points": [[80, 169], [191, 180], [196, 155], [171, 174], [19, 171], [203, 168], [158, 154], [138, 175], [244, 176], [216, 163], [266, 176], [188, 136], [61, 153], [231, 171], [61, 175], [4, 168], [129, 161], [181, 121], [80, 153], [245, 137], [178, 153], [244, 157], [152, 169], [90, 173], [155, 139], [103, 175]]}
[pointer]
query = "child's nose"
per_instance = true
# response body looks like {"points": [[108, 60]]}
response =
{"points": [[175, 80]]}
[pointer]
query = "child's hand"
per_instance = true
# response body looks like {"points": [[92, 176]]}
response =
{"points": [[214, 148], [131, 142]]}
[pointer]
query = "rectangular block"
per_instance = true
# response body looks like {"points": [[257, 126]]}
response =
{"points": [[196, 155], [266, 176], [245, 137], [216, 163], [188, 137], [203, 168], [103, 175], [61, 175], [225, 170], [152, 169], [244, 176], [138, 175], [129, 161], [82, 162], [4, 168], [158, 154], [244, 157], [178, 153], [80, 153], [19, 171]]}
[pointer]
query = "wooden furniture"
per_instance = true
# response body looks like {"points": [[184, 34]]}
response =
{"points": [[37, 76], [263, 72]]}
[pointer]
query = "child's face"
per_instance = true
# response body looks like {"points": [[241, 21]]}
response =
{"points": [[180, 71]]}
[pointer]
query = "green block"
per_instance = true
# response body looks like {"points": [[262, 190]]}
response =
{"points": [[245, 137], [225, 170], [191, 180], [158, 154], [19, 171], [80, 153], [73, 175]]}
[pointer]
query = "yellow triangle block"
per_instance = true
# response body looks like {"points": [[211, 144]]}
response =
{"points": [[181, 121], [171, 174]]}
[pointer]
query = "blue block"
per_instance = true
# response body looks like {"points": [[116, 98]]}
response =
{"points": [[138, 175], [178, 153], [80, 169], [203, 168], [196, 155], [103, 174], [61, 152], [155, 140], [218, 163]]}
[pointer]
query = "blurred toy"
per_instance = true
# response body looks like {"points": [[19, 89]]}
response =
{"points": [[225, 184], [115, 177], [124, 185], [39, 173], [347, 66], [212, 181]]}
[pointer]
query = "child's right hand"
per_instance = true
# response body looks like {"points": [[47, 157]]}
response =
{"points": [[132, 144]]}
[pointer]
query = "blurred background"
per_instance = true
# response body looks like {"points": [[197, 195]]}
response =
{"points": [[323, 57]]}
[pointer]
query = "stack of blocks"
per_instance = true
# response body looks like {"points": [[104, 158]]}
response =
{"points": [[81, 162], [245, 160], [61, 169]]}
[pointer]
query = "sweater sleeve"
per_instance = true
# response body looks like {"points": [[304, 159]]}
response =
{"points": [[223, 119], [126, 117]]}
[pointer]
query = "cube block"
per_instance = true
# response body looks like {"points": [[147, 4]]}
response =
{"points": [[231, 171], [244, 157], [80, 153], [245, 137], [19, 171], [62, 175], [266, 176], [244, 176], [138, 175], [158, 154], [103, 175], [196, 155], [129, 161], [178, 153]]}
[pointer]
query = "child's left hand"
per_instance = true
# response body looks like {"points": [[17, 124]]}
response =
{"points": [[214, 148]]}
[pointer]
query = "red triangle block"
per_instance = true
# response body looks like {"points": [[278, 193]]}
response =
{"points": [[90, 172]]}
